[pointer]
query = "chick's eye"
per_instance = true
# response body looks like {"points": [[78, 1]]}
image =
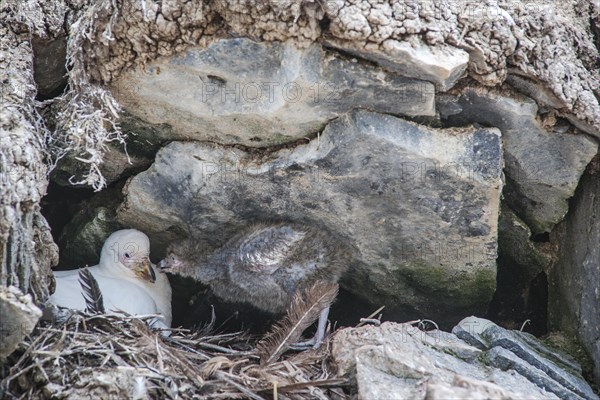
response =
{"points": [[127, 255]]}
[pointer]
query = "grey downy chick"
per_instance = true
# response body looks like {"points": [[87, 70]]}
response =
{"points": [[264, 265]]}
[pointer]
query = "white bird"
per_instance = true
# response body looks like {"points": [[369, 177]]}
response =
{"points": [[127, 280]]}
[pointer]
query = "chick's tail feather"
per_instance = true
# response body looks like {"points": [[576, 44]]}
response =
{"points": [[302, 312]]}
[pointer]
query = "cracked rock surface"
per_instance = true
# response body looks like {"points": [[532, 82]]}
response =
{"points": [[400, 361], [258, 94], [542, 165], [573, 291]]}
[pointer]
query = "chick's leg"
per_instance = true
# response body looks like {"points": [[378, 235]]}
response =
{"points": [[322, 325], [316, 340]]}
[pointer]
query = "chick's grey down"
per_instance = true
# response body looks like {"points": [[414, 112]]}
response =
{"points": [[264, 265]]}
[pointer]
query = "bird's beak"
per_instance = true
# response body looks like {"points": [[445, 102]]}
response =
{"points": [[143, 269]]}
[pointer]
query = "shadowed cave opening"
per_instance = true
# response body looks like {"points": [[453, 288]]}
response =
{"points": [[193, 304]]}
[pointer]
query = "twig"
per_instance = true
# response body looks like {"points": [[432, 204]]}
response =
{"points": [[161, 366], [187, 348], [373, 321], [422, 323], [371, 316], [224, 349], [527, 321]]}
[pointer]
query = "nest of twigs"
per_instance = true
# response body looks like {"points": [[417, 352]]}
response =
{"points": [[116, 357]]}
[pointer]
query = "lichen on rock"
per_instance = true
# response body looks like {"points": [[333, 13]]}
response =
{"points": [[26, 249]]}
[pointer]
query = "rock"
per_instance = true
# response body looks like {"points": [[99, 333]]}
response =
{"points": [[567, 66], [443, 65], [544, 97], [484, 334], [553, 365], [583, 125], [237, 91], [398, 361], [521, 351], [83, 236], [470, 330], [82, 239], [465, 388], [115, 165], [119, 161], [542, 168], [514, 243], [506, 360], [536, 90], [19, 315], [418, 205], [573, 290]]}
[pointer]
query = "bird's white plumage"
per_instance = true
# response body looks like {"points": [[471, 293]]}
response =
{"points": [[122, 289]]}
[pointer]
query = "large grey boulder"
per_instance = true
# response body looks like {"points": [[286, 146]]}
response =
{"points": [[543, 166], [574, 279], [417, 206], [238, 91], [398, 361]]}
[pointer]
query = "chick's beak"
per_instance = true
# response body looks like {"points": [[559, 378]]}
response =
{"points": [[169, 265], [143, 269]]}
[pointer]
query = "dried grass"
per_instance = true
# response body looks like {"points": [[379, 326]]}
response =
{"points": [[86, 115], [108, 356]]}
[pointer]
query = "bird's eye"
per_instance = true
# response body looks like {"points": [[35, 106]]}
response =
{"points": [[173, 258], [127, 255]]}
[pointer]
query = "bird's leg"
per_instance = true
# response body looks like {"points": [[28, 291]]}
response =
{"points": [[316, 340], [322, 325]]}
